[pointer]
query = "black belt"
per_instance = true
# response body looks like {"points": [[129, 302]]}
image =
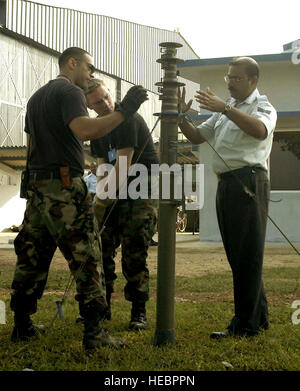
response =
{"points": [[240, 172], [40, 175]]}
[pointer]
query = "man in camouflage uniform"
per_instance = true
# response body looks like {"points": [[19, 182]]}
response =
{"points": [[132, 222], [59, 208]]}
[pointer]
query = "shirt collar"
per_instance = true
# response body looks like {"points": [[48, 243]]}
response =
{"points": [[251, 98]]}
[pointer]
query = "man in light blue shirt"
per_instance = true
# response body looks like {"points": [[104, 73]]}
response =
{"points": [[241, 133], [91, 179]]}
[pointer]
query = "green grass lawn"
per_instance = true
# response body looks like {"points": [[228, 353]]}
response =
{"points": [[202, 305]]}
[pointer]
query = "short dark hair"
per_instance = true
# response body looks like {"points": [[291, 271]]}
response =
{"points": [[93, 84], [251, 66], [70, 52]]}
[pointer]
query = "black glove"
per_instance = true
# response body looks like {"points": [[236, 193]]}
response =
{"points": [[133, 100]]}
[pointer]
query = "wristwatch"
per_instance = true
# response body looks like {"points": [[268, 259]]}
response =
{"points": [[227, 108]]}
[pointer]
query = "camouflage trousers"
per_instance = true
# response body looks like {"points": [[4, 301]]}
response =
{"points": [[57, 217], [131, 224]]}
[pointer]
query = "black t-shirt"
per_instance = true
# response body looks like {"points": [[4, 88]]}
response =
{"points": [[133, 132], [49, 111]]}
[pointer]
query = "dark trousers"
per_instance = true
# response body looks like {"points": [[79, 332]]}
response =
{"points": [[242, 224]]}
